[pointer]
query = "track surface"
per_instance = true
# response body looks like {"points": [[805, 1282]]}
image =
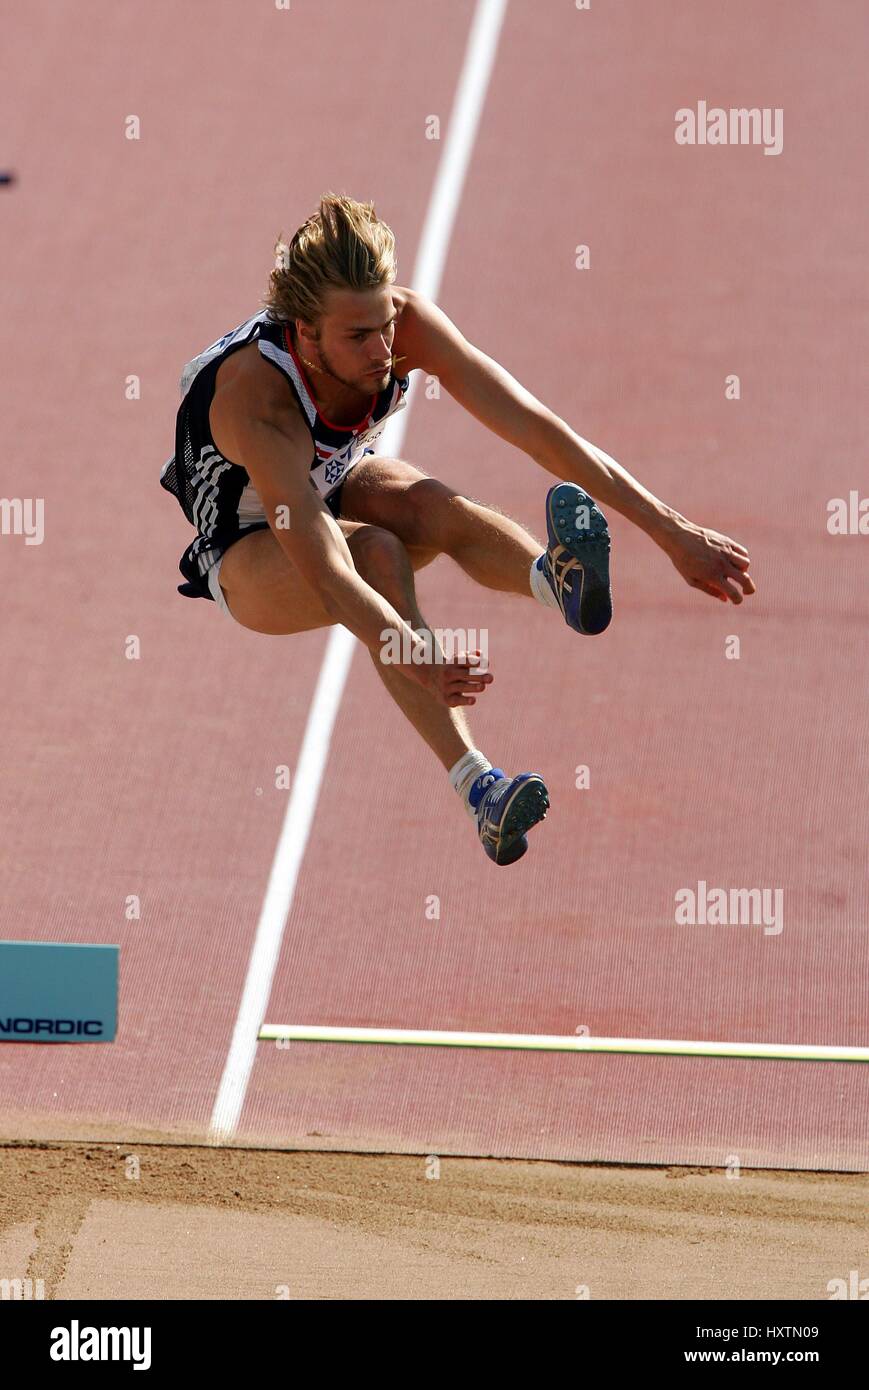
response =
{"points": [[141, 777]]}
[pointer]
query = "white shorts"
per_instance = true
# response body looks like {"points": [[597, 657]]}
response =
{"points": [[214, 586]]}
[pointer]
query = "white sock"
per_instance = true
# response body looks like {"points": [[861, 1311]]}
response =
{"points": [[539, 585], [464, 774]]}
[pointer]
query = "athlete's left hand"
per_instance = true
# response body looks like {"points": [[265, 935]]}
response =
{"points": [[709, 561]]}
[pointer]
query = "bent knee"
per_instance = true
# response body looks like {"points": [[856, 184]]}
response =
{"points": [[383, 561], [378, 554]]}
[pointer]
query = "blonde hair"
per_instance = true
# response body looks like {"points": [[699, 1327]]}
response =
{"points": [[344, 245]]}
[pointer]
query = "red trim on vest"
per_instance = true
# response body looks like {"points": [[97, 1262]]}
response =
{"points": [[348, 429]]}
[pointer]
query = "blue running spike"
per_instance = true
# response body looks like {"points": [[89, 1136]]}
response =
{"points": [[506, 808], [576, 563]]}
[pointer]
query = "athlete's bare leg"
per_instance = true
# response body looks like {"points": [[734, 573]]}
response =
{"points": [[389, 570], [264, 592], [427, 514]]}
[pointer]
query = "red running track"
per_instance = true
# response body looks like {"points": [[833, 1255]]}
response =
{"points": [[127, 778]]}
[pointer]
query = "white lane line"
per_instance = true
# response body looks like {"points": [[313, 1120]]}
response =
{"points": [[461, 135], [281, 887], [437, 232]]}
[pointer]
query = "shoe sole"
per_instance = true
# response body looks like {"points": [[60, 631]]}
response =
{"points": [[591, 548], [527, 807]]}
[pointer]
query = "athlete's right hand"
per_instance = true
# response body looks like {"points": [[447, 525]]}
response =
{"points": [[454, 682]]}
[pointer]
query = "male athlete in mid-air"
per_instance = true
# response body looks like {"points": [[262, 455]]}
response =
{"points": [[301, 525]]}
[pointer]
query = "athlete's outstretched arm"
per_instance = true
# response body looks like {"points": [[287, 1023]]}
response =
{"points": [[706, 559]]}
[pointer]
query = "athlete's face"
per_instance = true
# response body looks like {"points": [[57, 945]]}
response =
{"points": [[356, 334]]}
